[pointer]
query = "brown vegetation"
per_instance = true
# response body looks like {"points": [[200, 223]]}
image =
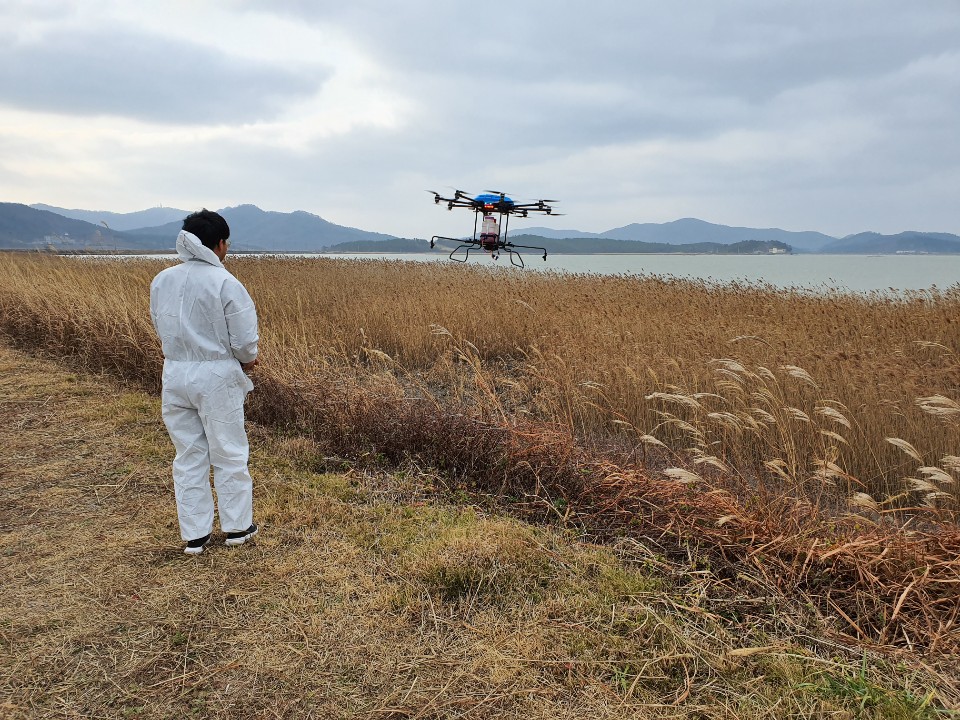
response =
{"points": [[366, 596], [808, 440]]}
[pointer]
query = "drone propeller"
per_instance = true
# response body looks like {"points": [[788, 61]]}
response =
{"points": [[505, 205], [536, 204]]}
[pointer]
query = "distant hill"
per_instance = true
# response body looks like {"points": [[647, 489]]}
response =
{"points": [[120, 221], [546, 232], [25, 228], [253, 229], [396, 245], [691, 230], [597, 246], [867, 243]]}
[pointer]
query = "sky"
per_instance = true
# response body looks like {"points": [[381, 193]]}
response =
{"points": [[832, 115]]}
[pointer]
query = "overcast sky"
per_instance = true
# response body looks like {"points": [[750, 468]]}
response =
{"points": [[829, 115]]}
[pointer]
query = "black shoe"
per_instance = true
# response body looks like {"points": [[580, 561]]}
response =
{"points": [[195, 547], [239, 538]]}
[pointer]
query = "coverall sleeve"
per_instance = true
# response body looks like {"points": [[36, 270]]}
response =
{"points": [[241, 319], [153, 306]]}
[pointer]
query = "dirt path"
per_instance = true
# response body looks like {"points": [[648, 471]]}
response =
{"points": [[101, 615]]}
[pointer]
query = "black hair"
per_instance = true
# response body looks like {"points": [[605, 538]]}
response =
{"points": [[207, 225]]}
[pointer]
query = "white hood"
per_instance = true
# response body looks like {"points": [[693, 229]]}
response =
{"points": [[189, 247]]}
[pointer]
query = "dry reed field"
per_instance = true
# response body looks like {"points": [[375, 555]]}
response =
{"points": [[775, 384], [805, 441], [367, 596]]}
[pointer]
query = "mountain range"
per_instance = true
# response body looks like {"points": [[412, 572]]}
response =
{"points": [[691, 230], [45, 227], [120, 221], [253, 229]]}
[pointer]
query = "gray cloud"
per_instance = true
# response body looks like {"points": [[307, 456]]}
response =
{"points": [[747, 48], [691, 68], [834, 116], [146, 77]]}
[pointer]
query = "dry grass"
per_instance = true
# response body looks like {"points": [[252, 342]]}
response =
{"points": [[594, 354], [811, 437], [353, 604]]}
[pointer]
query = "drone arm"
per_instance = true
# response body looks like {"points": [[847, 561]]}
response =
{"points": [[433, 240], [535, 207], [461, 244], [451, 203]]}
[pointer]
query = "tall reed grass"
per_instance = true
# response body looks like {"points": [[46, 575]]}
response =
{"points": [[830, 395], [816, 424]]}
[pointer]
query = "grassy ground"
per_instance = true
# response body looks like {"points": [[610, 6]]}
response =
{"points": [[366, 595], [838, 488]]}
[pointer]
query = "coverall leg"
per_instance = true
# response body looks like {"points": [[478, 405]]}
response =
{"points": [[203, 412], [191, 466], [221, 412]]}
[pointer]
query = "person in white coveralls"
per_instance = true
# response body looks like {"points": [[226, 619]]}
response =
{"points": [[207, 325]]}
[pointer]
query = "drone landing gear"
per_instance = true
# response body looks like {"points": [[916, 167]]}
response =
{"points": [[509, 248], [516, 259], [433, 242]]}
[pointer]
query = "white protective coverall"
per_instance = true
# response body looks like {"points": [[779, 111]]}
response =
{"points": [[207, 325]]}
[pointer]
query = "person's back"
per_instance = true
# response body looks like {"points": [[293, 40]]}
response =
{"points": [[191, 303], [207, 326]]}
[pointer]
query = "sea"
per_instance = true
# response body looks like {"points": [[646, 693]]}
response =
{"points": [[816, 273], [860, 274]]}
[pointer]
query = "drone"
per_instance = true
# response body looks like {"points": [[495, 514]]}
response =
{"points": [[491, 204]]}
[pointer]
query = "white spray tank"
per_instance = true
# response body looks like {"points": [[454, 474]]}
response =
{"points": [[489, 232]]}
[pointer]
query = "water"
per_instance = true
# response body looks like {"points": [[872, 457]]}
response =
{"points": [[846, 273]]}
